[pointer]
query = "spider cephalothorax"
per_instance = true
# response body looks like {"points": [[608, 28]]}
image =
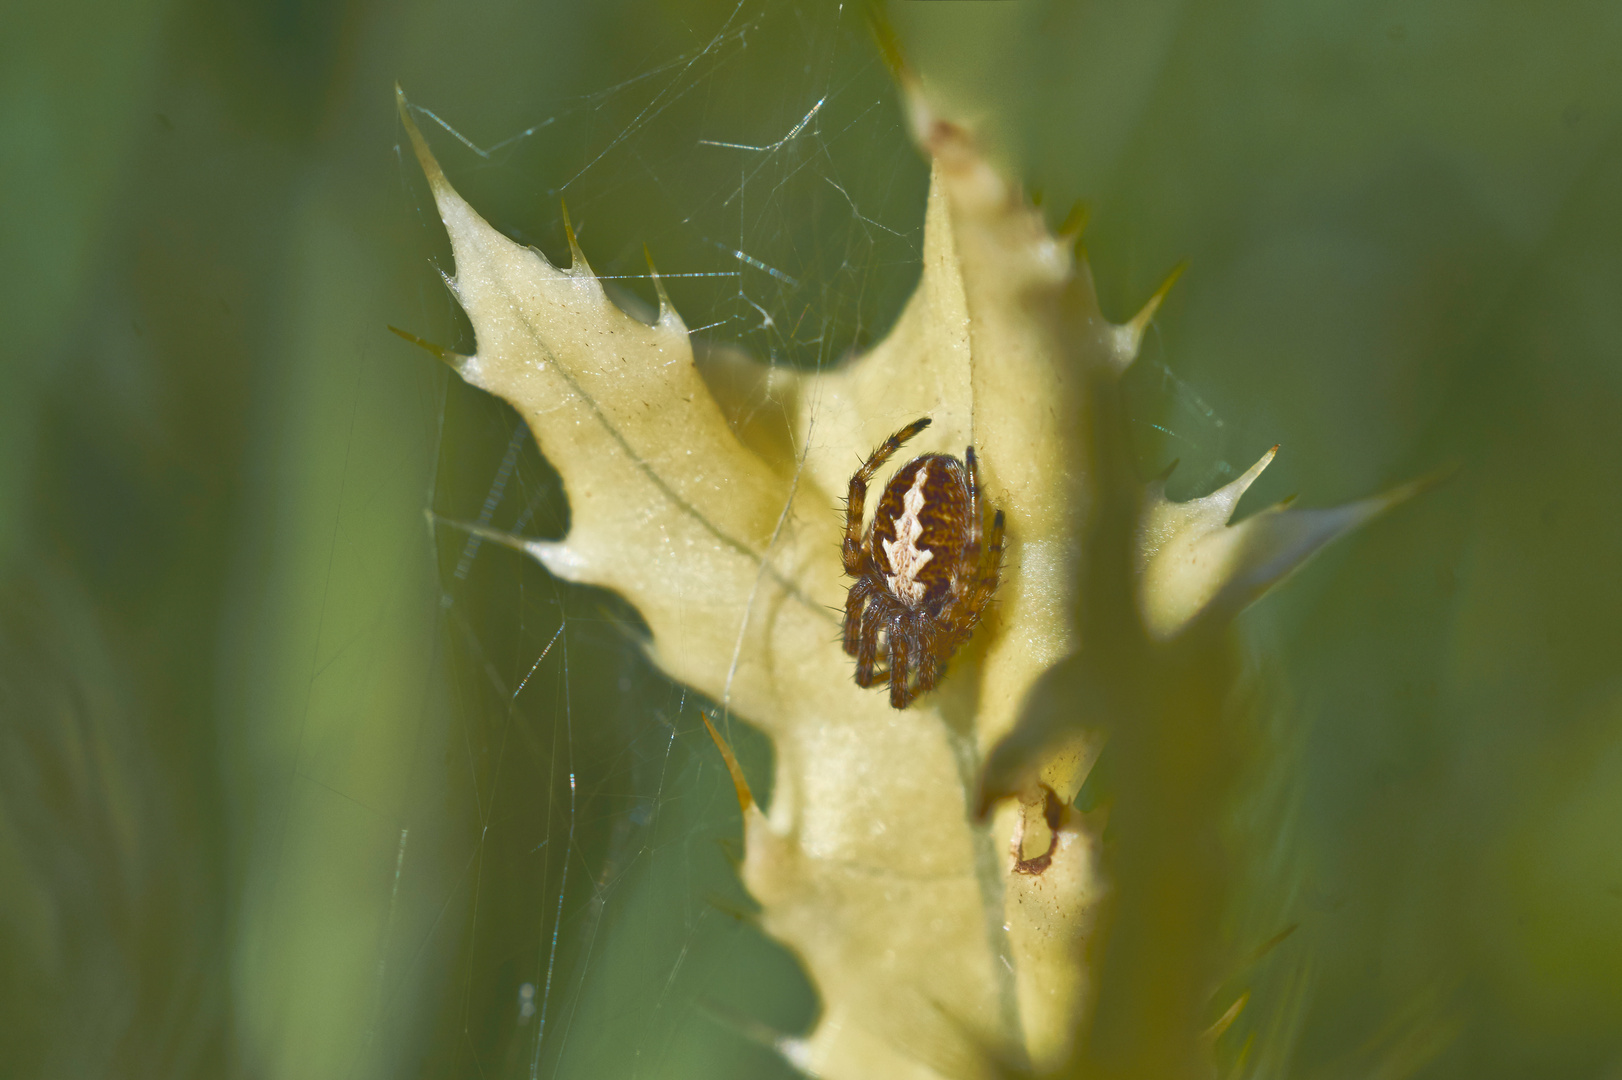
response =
{"points": [[924, 570]]}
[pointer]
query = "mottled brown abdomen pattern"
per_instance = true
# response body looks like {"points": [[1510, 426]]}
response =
{"points": [[920, 528]]}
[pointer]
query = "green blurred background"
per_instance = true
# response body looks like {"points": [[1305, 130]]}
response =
{"points": [[296, 783]]}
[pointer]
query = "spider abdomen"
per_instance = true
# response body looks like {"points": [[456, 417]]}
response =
{"points": [[921, 529]]}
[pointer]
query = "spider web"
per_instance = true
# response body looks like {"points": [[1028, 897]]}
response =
{"points": [[303, 805], [605, 931]]}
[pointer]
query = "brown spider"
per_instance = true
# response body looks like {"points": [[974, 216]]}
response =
{"points": [[923, 576]]}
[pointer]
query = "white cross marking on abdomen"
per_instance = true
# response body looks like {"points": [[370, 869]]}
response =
{"points": [[906, 557]]}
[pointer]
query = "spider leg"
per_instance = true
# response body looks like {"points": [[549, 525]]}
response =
{"points": [[867, 643], [901, 694], [856, 500], [855, 600], [930, 662], [966, 614], [969, 562]]}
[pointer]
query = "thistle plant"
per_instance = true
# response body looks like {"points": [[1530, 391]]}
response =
{"points": [[957, 913]]}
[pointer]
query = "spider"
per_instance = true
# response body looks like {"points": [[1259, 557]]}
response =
{"points": [[923, 572]]}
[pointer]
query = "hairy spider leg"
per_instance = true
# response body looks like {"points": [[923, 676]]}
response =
{"points": [[930, 663], [880, 608], [854, 601], [901, 694], [970, 562], [856, 501], [985, 582]]}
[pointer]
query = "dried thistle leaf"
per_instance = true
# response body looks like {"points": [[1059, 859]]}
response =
{"points": [[1191, 562], [942, 945]]}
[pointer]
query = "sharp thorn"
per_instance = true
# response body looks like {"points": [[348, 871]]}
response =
{"points": [[740, 784], [577, 258]]}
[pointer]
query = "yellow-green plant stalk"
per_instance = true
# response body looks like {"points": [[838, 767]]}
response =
{"points": [[950, 904]]}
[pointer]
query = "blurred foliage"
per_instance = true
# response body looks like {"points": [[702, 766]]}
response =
{"points": [[284, 787]]}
